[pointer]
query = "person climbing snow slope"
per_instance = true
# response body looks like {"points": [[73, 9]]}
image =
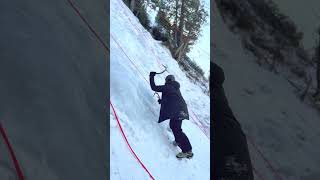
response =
{"points": [[173, 107]]}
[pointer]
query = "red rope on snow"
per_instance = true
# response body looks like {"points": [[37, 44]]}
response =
{"points": [[125, 138], [159, 64], [106, 47], [129, 58], [12, 155], [256, 172], [195, 122], [89, 26], [265, 159], [157, 59]]}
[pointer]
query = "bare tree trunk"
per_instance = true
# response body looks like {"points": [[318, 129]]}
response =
{"points": [[132, 5], [308, 82], [176, 24], [177, 52], [181, 23], [182, 52], [139, 9]]}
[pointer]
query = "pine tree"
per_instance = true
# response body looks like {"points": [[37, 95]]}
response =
{"points": [[182, 20]]}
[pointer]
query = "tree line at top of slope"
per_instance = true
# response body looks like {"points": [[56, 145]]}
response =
{"points": [[178, 25], [275, 41]]}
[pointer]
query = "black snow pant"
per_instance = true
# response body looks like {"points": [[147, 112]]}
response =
{"points": [[179, 136], [232, 159]]}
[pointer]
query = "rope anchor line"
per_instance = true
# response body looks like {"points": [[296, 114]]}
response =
{"points": [[127, 142], [11, 152]]}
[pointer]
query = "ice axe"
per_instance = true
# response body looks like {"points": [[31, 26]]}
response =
{"points": [[165, 69], [155, 93], [159, 98]]}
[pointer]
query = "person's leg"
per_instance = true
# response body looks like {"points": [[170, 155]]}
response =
{"points": [[180, 137], [173, 128], [232, 159]]}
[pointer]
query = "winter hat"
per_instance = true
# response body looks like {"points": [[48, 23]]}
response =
{"points": [[170, 78]]}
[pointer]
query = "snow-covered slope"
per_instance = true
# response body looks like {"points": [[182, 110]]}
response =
{"points": [[134, 53], [281, 126]]}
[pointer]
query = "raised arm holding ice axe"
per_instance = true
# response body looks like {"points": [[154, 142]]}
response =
{"points": [[173, 107]]}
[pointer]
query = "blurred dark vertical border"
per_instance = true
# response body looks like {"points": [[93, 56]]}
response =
{"points": [[212, 171], [108, 92], [54, 89]]}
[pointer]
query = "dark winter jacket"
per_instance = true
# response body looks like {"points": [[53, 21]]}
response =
{"points": [[231, 155], [173, 106], [220, 108]]}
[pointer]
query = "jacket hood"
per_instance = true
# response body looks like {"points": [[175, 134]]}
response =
{"points": [[217, 74], [175, 84]]}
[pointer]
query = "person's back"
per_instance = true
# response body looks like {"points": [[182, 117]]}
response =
{"points": [[231, 155], [172, 103]]}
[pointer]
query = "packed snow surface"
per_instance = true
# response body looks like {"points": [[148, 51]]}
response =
{"points": [[134, 53]]}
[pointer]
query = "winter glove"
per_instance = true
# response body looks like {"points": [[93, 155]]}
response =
{"points": [[152, 73], [159, 101]]}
